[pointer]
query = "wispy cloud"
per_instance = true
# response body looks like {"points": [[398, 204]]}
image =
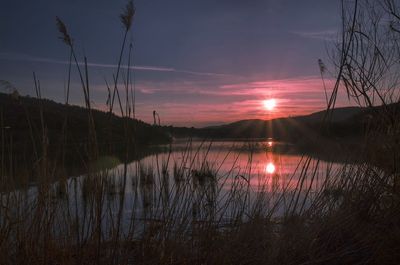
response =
{"points": [[327, 35], [228, 101], [239, 88], [29, 58]]}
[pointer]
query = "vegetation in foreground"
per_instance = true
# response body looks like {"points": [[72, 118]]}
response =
{"points": [[352, 219]]}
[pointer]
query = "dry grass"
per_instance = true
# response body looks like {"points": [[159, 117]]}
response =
{"points": [[106, 217]]}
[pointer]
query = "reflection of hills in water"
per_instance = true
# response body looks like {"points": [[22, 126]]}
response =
{"points": [[199, 178], [204, 161], [264, 155], [329, 150]]}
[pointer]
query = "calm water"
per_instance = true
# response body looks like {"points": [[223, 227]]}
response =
{"points": [[220, 175], [262, 163], [186, 182]]}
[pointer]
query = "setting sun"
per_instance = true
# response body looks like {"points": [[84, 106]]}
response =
{"points": [[269, 104]]}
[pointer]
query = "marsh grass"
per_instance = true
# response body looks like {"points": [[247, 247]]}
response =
{"points": [[192, 212], [203, 216]]}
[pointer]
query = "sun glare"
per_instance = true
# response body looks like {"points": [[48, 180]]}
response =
{"points": [[269, 104], [270, 168]]}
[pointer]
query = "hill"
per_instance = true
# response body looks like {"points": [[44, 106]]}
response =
{"points": [[348, 122], [21, 122]]}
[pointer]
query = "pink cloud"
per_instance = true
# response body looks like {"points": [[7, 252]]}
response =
{"points": [[199, 103]]}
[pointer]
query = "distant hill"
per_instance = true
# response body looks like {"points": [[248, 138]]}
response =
{"points": [[348, 122], [18, 112], [337, 115]]}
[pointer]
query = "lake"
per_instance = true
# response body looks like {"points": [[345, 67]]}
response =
{"points": [[184, 183]]}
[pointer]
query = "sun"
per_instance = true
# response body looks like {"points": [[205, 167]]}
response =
{"points": [[270, 168], [269, 104]]}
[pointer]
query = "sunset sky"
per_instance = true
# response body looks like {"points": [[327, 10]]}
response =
{"points": [[198, 63]]}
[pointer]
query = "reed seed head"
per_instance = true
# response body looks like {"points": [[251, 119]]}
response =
{"points": [[127, 15], [65, 37]]}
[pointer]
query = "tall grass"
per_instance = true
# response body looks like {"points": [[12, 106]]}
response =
{"points": [[203, 217]]}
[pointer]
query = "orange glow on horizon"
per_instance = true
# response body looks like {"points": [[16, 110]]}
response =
{"points": [[234, 101]]}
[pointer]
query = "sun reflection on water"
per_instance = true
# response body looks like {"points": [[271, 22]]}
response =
{"points": [[270, 168]]}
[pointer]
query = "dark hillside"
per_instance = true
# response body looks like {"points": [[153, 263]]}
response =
{"points": [[21, 121], [344, 123]]}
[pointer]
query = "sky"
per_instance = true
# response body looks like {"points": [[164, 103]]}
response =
{"points": [[197, 63]]}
